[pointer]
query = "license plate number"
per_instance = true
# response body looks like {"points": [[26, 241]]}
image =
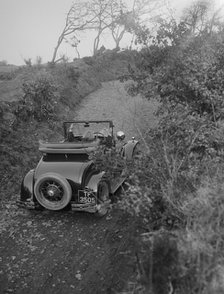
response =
{"points": [[85, 197]]}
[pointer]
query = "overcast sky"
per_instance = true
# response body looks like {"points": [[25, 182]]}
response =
{"points": [[30, 28]]}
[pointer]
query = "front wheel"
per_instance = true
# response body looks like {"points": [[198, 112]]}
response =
{"points": [[137, 152], [52, 191], [103, 199]]}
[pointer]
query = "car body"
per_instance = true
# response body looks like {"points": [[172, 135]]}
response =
{"points": [[65, 175]]}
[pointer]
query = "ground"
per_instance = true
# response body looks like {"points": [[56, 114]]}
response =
{"points": [[64, 252], [68, 252]]}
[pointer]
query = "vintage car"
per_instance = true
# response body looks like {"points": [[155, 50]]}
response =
{"points": [[65, 177]]}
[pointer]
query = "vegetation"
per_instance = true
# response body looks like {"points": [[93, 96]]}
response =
{"points": [[42, 97], [180, 179], [176, 186], [112, 17]]}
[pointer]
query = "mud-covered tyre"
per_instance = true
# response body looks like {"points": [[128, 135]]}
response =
{"points": [[103, 199], [52, 191]]}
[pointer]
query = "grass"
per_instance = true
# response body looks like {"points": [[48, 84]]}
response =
{"points": [[10, 90]]}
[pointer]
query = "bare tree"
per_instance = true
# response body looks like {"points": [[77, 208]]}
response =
{"points": [[77, 19], [195, 16], [146, 10], [102, 16], [74, 42], [128, 20], [144, 15], [122, 21], [100, 11], [201, 16]]}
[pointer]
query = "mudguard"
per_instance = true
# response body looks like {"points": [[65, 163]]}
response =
{"points": [[26, 192], [128, 149], [94, 181]]}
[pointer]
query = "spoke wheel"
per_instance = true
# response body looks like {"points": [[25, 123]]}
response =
{"points": [[52, 191], [103, 199]]}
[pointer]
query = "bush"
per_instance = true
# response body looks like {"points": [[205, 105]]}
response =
{"points": [[89, 60], [178, 196], [28, 61], [6, 76], [40, 98], [177, 186]]}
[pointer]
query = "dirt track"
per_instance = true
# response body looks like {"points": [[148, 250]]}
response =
{"points": [[112, 102], [65, 252]]}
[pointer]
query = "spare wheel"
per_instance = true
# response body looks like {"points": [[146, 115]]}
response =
{"points": [[52, 191]]}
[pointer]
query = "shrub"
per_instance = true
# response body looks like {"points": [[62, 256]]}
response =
{"points": [[178, 196], [89, 60], [40, 98], [28, 62], [109, 160], [38, 60], [6, 76]]}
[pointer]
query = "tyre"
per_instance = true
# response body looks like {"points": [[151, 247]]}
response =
{"points": [[52, 191], [103, 199], [136, 152]]}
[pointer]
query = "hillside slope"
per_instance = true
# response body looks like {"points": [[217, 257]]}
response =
{"points": [[34, 101], [67, 252]]}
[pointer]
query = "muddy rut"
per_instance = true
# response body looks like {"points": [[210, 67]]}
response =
{"points": [[66, 252]]}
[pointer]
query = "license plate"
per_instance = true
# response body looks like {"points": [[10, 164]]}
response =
{"points": [[85, 197]]}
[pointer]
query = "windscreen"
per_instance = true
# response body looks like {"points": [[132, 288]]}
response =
{"points": [[80, 129]]}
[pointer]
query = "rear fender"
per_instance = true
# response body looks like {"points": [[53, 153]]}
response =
{"points": [[128, 149], [94, 181], [26, 192]]}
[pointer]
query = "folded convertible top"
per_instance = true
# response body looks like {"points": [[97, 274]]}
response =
{"points": [[68, 147]]}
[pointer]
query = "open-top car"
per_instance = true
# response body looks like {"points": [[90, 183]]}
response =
{"points": [[66, 176]]}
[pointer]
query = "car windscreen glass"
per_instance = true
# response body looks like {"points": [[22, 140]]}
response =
{"points": [[80, 129]]}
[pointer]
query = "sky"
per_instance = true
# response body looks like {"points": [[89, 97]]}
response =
{"points": [[30, 28]]}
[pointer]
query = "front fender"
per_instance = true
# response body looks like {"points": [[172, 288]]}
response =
{"points": [[128, 149], [94, 181], [26, 192]]}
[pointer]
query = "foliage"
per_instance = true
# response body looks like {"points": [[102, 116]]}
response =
{"points": [[19, 146], [38, 60], [202, 243], [39, 100], [36, 116], [188, 73], [177, 189], [177, 185], [28, 61], [88, 60], [109, 161], [7, 76], [17, 150]]}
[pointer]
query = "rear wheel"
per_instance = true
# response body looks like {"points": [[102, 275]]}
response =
{"points": [[103, 199], [52, 191]]}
